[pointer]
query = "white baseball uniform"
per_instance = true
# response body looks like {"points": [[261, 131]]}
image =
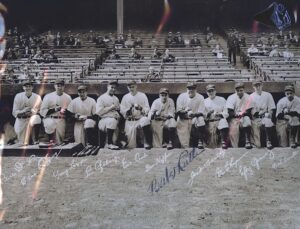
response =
{"points": [[85, 107], [283, 124], [191, 105], [137, 118], [263, 104], [162, 110], [55, 122], [215, 106], [22, 103], [239, 106]]}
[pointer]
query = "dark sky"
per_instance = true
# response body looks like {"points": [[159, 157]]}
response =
{"points": [[101, 14]]}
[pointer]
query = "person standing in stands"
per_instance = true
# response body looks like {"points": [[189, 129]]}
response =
{"points": [[162, 114], [216, 117], [239, 107], [108, 108], [26, 109], [135, 108], [232, 45], [191, 113], [263, 108], [83, 109], [287, 114], [53, 110]]}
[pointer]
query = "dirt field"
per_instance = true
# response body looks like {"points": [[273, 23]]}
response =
{"points": [[154, 189]]}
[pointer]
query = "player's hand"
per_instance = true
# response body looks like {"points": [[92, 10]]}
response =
{"points": [[285, 110], [58, 108], [82, 117]]}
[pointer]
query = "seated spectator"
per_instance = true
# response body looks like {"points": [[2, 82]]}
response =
{"points": [[195, 42], [212, 42], [135, 55], [285, 41], [58, 41], [252, 50], [51, 57], [167, 57], [280, 35], [153, 42], [242, 41], [287, 53], [169, 42], [274, 52], [91, 66], [156, 54], [119, 43], [77, 43], [138, 43], [39, 57], [291, 35], [152, 76], [113, 55], [217, 51], [100, 43], [10, 54], [179, 42], [209, 36], [129, 43]]}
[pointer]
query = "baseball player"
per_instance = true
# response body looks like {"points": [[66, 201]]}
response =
{"points": [[162, 114], [263, 106], [83, 109], [135, 109], [191, 113], [53, 110], [107, 108], [25, 109], [287, 114], [216, 117], [239, 107]]}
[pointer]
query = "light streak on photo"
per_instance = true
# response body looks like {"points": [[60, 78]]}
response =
{"points": [[165, 18]]}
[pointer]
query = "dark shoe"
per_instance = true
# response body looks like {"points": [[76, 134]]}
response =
{"points": [[248, 145], [269, 145], [200, 145], [147, 146], [170, 146]]}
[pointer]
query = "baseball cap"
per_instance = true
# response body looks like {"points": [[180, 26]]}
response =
{"points": [[239, 85], [27, 82], [82, 87], [289, 88], [210, 87], [131, 82], [191, 85], [255, 82], [113, 82], [60, 81], [164, 91]]}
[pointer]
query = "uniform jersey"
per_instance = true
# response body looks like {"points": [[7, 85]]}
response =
{"points": [[284, 103], [83, 107], [130, 100], [263, 102], [53, 100], [196, 104], [105, 101], [217, 105], [163, 109], [22, 102], [239, 105]]}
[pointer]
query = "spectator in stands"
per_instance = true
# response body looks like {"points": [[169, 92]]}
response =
{"points": [[190, 122], [134, 55], [217, 51], [167, 57], [129, 43], [77, 43], [119, 43], [232, 45], [285, 41], [242, 41], [195, 42], [162, 114], [263, 108], [169, 42], [274, 52], [287, 114], [239, 107], [39, 57], [252, 50], [287, 53], [280, 35], [152, 76], [179, 42], [100, 43], [138, 43], [209, 36], [83, 110], [10, 54], [153, 42], [113, 55], [216, 115], [212, 42], [295, 41], [51, 57], [26, 52], [156, 55], [291, 35]]}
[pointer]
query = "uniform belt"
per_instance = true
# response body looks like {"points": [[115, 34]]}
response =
{"points": [[133, 119], [57, 117], [25, 117], [213, 120]]}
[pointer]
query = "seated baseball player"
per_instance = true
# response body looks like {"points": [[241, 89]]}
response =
{"points": [[239, 108], [216, 117], [287, 114], [191, 113], [107, 108], [26, 111], [162, 114], [83, 109], [135, 109]]}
